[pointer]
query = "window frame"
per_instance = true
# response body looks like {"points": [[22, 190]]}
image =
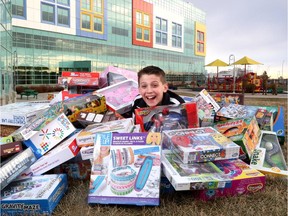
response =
{"points": [[177, 35], [200, 41], [143, 27], [56, 6], [24, 11], [161, 31]]}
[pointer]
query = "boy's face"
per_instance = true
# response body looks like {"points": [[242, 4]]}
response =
{"points": [[151, 89]]}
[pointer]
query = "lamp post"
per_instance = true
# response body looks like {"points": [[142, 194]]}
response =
{"points": [[232, 60], [282, 68]]}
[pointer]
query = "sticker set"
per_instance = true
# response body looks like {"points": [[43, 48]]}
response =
{"points": [[200, 145], [38, 195], [126, 169], [208, 175], [167, 117]]}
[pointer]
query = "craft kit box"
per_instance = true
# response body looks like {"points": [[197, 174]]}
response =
{"points": [[126, 169], [268, 156], [50, 135], [207, 108], [86, 136], [208, 175], [200, 145], [38, 195], [244, 132], [10, 148], [91, 102], [58, 155], [120, 96], [167, 117]]}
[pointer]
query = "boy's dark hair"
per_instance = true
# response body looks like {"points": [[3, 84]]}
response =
{"points": [[149, 70]]}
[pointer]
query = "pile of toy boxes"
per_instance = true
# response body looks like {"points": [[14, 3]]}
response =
{"points": [[214, 146]]}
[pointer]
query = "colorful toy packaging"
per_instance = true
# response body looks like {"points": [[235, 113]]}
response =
{"points": [[232, 111], [50, 135], [224, 99], [38, 195], [244, 132], [200, 145], [208, 175], [7, 139], [10, 148], [268, 156], [126, 169], [119, 97], [167, 117]]}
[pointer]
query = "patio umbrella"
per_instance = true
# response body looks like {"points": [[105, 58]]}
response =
{"points": [[246, 61], [218, 63]]}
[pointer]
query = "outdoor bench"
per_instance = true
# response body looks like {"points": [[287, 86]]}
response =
{"points": [[29, 92]]}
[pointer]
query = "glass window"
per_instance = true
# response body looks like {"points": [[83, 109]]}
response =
{"points": [[97, 6], [48, 13], [176, 35], [139, 33], [158, 37], [85, 21], [63, 16], [85, 4], [164, 38], [63, 2], [18, 8], [146, 20], [158, 23], [146, 34], [161, 31], [97, 24], [164, 25], [138, 18]]}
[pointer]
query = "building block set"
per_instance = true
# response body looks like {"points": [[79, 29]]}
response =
{"points": [[213, 148]]}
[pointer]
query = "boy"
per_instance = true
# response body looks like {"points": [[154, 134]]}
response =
{"points": [[153, 89]]}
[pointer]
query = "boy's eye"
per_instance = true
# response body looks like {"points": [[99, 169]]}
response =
{"points": [[143, 86]]}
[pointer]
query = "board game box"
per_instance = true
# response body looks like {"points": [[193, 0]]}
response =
{"points": [[38, 195], [10, 148], [232, 111], [126, 169], [200, 145], [224, 99]]}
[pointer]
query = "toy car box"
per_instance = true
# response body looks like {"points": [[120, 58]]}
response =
{"points": [[50, 135], [119, 97], [167, 117], [208, 175], [38, 195], [268, 156], [244, 132], [86, 136], [126, 169], [200, 145]]}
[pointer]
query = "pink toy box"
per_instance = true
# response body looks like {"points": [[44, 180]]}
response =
{"points": [[167, 117], [126, 169], [200, 145], [208, 175], [119, 97], [38, 195], [268, 156]]}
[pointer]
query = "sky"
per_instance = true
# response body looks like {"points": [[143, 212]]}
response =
{"points": [[253, 28]]}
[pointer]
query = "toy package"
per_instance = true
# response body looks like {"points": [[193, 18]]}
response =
{"points": [[224, 99], [91, 102], [119, 97], [38, 195], [200, 145], [264, 119], [10, 148], [7, 139], [207, 175], [86, 136], [207, 108], [245, 132], [50, 135], [167, 117], [15, 165], [126, 169], [58, 155], [232, 111], [268, 156]]}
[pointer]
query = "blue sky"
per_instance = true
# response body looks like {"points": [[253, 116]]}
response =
{"points": [[253, 28]]}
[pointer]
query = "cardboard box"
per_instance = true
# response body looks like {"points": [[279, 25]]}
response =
{"points": [[208, 175], [224, 99], [7, 139], [244, 132], [268, 156], [58, 155], [10, 148], [50, 135], [232, 111], [120, 96], [38, 195], [167, 117], [126, 169], [86, 136], [200, 145]]}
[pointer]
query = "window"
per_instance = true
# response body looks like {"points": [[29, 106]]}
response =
{"points": [[161, 31], [176, 35], [200, 41], [92, 15], [56, 12], [19, 8], [142, 26]]}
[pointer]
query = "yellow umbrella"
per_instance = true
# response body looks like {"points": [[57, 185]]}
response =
{"points": [[246, 61], [217, 63]]}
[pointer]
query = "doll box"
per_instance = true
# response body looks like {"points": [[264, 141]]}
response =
{"points": [[120, 96], [126, 169], [167, 117], [58, 155], [86, 136], [50, 135], [15, 165], [10, 148], [244, 132], [268, 156], [207, 175], [38, 195], [200, 145]]}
